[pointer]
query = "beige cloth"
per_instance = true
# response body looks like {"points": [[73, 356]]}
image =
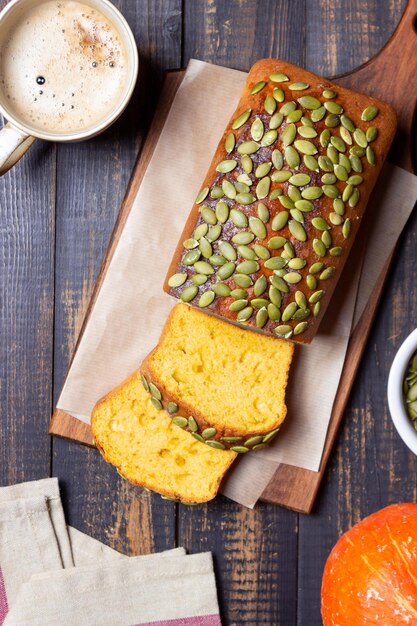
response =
{"points": [[51, 574]]}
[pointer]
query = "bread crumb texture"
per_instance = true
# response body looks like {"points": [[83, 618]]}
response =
{"points": [[235, 378], [150, 451]]}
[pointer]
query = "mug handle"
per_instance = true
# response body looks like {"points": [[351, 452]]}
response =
{"points": [[13, 145]]}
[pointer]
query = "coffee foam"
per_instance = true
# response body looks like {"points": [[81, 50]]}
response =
{"points": [[63, 67]]}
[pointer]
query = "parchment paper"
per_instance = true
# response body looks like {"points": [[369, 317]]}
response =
{"points": [[131, 308]]}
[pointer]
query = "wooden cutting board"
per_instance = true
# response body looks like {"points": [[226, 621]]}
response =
{"points": [[390, 76]]}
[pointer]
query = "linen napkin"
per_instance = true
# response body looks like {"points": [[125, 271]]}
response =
{"points": [[54, 574]]}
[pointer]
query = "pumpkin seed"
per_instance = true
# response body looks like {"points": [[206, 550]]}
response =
{"points": [[289, 311], [257, 227], [339, 206], [335, 219], [157, 403], [277, 159], [198, 437], [297, 215], [238, 218], [320, 223], [316, 296], [327, 273], [259, 303], [289, 250], [257, 129], [310, 162], [262, 188], [325, 138], [248, 267], [309, 102], [243, 238], [240, 449], [300, 180], [144, 383], [222, 211], [328, 179], [338, 143], [189, 293], [215, 444], [278, 94], [333, 107], [258, 87], [347, 123], [332, 121], [298, 86], [356, 163], [260, 286], [274, 313], [176, 280], [270, 104], [191, 257], [297, 230], [262, 252], [263, 169], [278, 77], [347, 192], [341, 172], [217, 259], [280, 220], [326, 239], [248, 147], [269, 138], [302, 314], [244, 314], [345, 161], [292, 157], [369, 113], [311, 281], [319, 247], [296, 264], [336, 251], [283, 330], [360, 138], [288, 134], [355, 180], [199, 279], [241, 119], [205, 248], [202, 195], [247, 163], [226, 166], [316, 267], [275, 243], [253, 441], [370, 155], [346, 228], [180, 421], [331, 191], [275, 263], [357, 151], [238, 294], [221, 289], [214, 233], [229, 189], [245, 198], [189, 244], [288, 107], [216, 192], [238, 305], [329, 93], [371, 134], [311, 193], [200, 231], [281, 176], [192, 425], [263, 212], [306, 132], [231, 439], [202, 267], [206, 298], [229, 143], [227, 250], [345, 135], [354, 198], [295, 116], [318, 114], [325, 163], [247, 253], [276, 121], [306, 147], [300, 328], [275, 295], [225, 271], [292, 278]]}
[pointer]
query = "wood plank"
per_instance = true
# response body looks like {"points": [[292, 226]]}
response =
{"points": [[92, 178], [255, 551], [357, 479], [26, 293]]}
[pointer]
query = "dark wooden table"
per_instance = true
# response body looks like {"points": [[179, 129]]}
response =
{"points": [[58, 208]]}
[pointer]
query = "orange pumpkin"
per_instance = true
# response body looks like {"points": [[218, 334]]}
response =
{"points": [[370, 576]]}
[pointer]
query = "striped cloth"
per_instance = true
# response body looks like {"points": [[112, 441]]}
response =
{"points": [[51, 574]]}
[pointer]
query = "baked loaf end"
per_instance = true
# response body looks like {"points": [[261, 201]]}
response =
{"points": [[150, 451], [216, 380], [277, 213]]}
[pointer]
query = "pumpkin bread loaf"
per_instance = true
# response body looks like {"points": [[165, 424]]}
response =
{"points": [[224, 385], [281, 204], [149, 450]]}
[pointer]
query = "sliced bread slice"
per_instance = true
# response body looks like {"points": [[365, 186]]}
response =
{"points": [[149, 450], [231, 381]]}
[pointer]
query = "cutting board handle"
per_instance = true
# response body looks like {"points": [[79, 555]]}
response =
{"points": [[392, 76]]}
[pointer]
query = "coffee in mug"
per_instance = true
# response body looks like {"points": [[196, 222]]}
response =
{"points": [[67, 68]]}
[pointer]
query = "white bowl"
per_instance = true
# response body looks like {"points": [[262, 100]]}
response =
{"points": [[396, 403]]}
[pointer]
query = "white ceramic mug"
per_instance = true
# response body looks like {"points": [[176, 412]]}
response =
{"points": [[18, 135]]}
